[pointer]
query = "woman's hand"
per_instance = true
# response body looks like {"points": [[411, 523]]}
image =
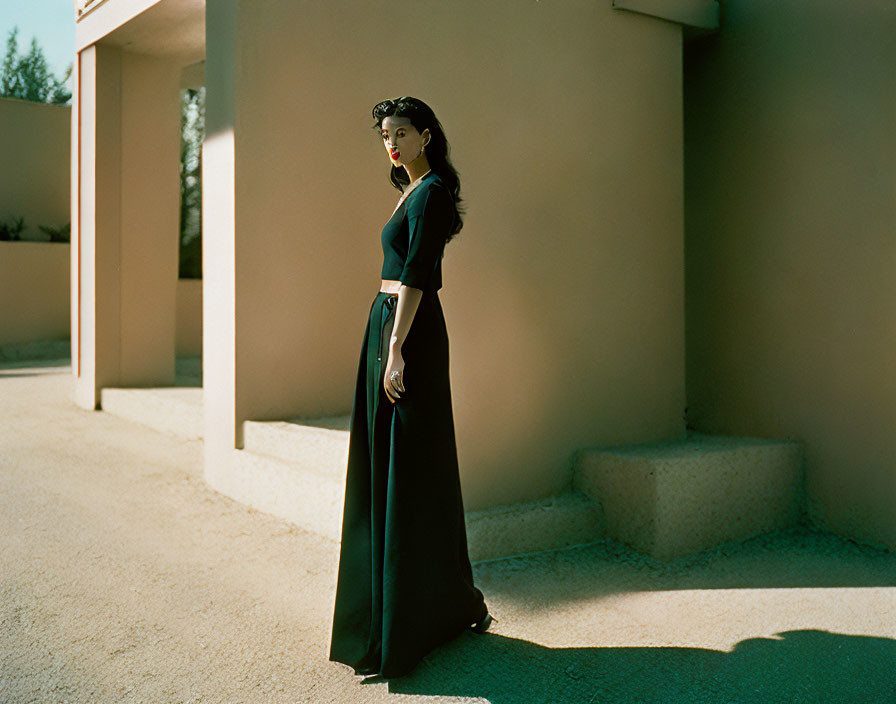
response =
{"points": [[394, 387]]}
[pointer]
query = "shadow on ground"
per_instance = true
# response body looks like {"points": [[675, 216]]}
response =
{"points": [[797, 666], [791, 666]]}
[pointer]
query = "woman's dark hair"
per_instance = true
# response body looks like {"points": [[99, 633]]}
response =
{"points": [[437, 150]]}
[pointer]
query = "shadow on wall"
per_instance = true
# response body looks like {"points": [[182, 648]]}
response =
{"points": [[11, 231], [794, 666]]}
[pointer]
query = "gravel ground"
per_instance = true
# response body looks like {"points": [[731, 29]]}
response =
{"points": [[123, 578]]}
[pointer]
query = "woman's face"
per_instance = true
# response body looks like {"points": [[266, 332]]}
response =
{"points": [[402, 140]]}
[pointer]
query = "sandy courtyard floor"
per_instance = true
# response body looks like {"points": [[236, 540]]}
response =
{"points": [[123, 578]]}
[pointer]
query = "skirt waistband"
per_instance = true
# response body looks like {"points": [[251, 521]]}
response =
{"points": [[426, 293]]}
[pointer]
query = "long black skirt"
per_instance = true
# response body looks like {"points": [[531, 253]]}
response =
{"points": [[405, 584]]}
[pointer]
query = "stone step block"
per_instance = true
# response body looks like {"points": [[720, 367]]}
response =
{"points": [[675, 498]]}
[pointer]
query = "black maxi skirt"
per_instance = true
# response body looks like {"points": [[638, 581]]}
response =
{"points": [[405, 584]]}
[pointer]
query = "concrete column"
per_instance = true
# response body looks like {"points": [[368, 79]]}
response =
{"points": [[127, 201]]}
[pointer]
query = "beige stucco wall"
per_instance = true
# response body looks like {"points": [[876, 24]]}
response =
{"points": [[563, 294], [34, 153], [34, 185], [34, 290], [35, 276], [35, 286], [791, 243]]}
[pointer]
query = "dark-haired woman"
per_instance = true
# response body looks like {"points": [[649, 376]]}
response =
{"points": [[405, 584]]}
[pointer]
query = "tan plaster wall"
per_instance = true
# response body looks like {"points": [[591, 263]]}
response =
{"points": [[791, 243], [34, 153], [563, 294], [34, 289], [34, 184]]}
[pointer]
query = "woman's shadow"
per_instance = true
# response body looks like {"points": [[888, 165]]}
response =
{"points": [[795, 666]]}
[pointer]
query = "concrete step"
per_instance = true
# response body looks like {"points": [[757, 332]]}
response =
{"points": [[675, 498], [319, 445], [296, 470], [176, 410], [662, 499], [309, 497], [567, 519]]}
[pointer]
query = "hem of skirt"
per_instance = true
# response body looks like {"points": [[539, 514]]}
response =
{"points": [[385, 674], [391, 673], [354, 668]]}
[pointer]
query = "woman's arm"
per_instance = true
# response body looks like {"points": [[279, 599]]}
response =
{"points": [[408, 302], [430, 215]]}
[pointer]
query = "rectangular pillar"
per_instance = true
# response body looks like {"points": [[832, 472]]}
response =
{"points": [[125, 221]]}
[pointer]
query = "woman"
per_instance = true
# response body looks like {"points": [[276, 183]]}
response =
{"points": [[405, 584]]}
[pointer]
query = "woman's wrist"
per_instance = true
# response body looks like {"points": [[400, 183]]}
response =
{"points": [[395, 344]]}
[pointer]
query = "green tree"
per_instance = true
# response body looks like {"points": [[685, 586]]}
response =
{"points": [[192, 133], [28, 77]]}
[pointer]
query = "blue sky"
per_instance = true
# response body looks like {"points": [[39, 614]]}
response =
{"points": [[52, 22]]}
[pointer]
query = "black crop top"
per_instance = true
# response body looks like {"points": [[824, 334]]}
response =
{"points": [[414, 237]]}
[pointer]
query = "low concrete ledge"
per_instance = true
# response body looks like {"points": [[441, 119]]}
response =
{"points": [[670, 499], [308, 498], [176, 410], [556, 522], [296, 470], [318, 445]]}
